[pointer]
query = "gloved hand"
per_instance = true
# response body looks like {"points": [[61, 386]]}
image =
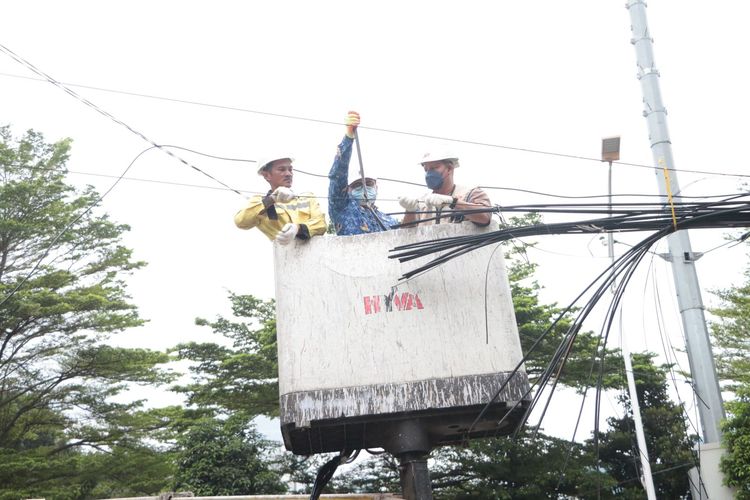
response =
{"points": [[352, 122], [409, 204], [287, 233], [283, 195], [437, 201]]}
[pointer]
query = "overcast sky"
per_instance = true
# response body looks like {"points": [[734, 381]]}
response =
{"points": [[523, 92]]}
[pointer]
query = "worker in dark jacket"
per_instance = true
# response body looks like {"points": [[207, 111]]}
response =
{"points": [[352, 207]]}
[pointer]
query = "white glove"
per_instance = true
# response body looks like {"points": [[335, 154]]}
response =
{"points": [[287, 233], [283, 195], [438, 200], [409, 204]]}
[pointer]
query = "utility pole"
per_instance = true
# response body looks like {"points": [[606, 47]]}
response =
{"points": [[610, 153], [706, 478], [681, 256]]}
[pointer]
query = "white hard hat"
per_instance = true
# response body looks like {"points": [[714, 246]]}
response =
{"points": [[439, 156], [264, 161]]}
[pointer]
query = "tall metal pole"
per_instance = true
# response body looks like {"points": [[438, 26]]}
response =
{"points": [[702, 368], [648, 479]]}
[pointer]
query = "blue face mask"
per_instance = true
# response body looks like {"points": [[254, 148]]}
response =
{"points": [[433, 179], [359, 194]]}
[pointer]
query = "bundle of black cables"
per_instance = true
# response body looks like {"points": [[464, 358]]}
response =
{"points": [[732, 211], [619, 272], [728, 213], [623, 217], [328, 469]]}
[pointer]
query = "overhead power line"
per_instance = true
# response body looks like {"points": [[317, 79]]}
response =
{"points": [[386, 179], [378, 129], [103, 112]]}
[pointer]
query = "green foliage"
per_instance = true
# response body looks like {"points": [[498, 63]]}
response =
{"points": [[374, 474], [540, 466], [586, 356], [225, 458], [378, 474], [534, 319], [62, 296], [670, 448], [731, 334], [530, 467], [731, 337], [74, 474], [241, 377], [736, 463], [238, 375]]}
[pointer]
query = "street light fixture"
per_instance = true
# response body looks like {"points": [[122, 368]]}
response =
{"points": [[611, 149], [610, 153]]}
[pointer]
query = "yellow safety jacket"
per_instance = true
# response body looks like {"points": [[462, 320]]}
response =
{"points": [[270, 217]]}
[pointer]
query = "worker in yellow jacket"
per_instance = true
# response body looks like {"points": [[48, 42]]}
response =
{"points": [[282, 215]]}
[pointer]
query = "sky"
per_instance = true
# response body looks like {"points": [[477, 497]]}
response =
{"points": [[522, 92]]}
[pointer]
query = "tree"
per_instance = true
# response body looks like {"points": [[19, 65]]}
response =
{"points": [[534, 318], [243, 376], [232, 384], [62, 296], [731, 335], [587, 355], [669, 446], [226, 458], [529, 467], [736, 463]]}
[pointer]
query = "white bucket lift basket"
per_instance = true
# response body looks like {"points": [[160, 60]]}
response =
{"points": [[359, 349]]}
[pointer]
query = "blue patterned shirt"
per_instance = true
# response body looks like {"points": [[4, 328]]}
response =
{"points": [[348, 216]]}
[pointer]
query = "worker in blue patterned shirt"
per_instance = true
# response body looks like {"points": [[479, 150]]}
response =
{"points": [[352, 207]]}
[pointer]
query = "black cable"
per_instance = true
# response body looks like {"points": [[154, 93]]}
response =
{"points": [[589, 196], [624, 265], [328, 469], [104, 113], [583, 494], [370, 209], [668, 348], [510, 208], [565, 343], [67, 227], [523, 360], [215, 157], [600, 350], [638, 252], [385, 130], [441, 214], [722, 214]]}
